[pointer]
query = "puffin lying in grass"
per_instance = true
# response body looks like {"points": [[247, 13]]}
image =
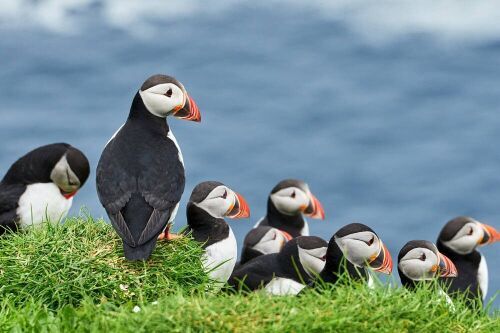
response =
{"points": [[40, 186]]}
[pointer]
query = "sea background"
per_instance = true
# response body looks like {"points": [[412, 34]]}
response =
{"points": [[388, 109]]}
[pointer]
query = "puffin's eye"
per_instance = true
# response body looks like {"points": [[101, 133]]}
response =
{"points": [[370, 242], [292, 195], [224, 196], [169, 92], [422, 257], [471, 231]]}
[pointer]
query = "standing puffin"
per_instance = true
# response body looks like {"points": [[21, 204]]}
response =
{"points": [[263, 240], [209, 203], [458, 240], [420, 260], [40, 186], [288, 200], [286, 272], [140, 175], [351, 250]]}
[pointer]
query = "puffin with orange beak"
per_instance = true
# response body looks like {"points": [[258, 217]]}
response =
{"points": [[288, 201], [140, 175], [459, 240], [209, 203], [352, 250]]}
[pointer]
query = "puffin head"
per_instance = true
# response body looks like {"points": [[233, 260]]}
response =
{"points": [[266, 240], [362, 247], [70, 171], [463, 234], [163, 96], [219, 201], [310, 252], [293, 197], [420, 260]]}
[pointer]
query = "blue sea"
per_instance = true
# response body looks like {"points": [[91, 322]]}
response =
{"points": [[389, 111]]}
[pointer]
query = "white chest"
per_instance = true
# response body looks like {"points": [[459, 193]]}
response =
{"points": [[482, 277], [171, 136], [42, 202], [220, 258], [283, 286]]}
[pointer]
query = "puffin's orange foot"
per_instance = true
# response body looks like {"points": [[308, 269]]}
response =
{"points": [[167, 235]]}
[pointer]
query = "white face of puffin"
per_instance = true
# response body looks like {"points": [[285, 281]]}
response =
{"points": [[64, 177], [290, 200], [163, 99], [360, 247], [420, 264], [313, 260], [219, 202], [272, 242], [467, 238]]}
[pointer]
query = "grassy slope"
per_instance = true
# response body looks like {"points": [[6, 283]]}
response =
{"points": [[67, 278]]}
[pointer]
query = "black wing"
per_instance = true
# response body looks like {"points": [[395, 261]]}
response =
{"points": [[256, 273], [139, 184], [9, 197]]}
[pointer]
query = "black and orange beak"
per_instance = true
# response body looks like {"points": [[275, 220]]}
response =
{"points": [[446, 267], [383, 262], [240, 209], [491, 235], [314, 209], [286, 234], [190, 110]]}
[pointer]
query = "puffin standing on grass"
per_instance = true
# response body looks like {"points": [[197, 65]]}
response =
{"points": [[286, 272], [458, 240], [209, 203], [353, 249], [263, 240], [40, 186], [140, 175], [287, 202]]}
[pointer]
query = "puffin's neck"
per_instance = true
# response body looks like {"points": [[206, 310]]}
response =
{"points": [[199, 218], [453, 255], [140, 114], [406, 282], [279, 220], [337, 265], [290, 263]]}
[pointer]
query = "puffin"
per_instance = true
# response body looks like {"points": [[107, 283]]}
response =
{"points": [[140, 176], [283, 273], [420, 260], [263, 240], [351, 251], [40, 186], [458, 240], [209, 203], [288, 201]]}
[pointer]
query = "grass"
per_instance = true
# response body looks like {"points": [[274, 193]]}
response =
{"points": [[67, 278]]}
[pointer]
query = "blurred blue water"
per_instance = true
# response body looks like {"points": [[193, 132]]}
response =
{"points": [[401, 136]]}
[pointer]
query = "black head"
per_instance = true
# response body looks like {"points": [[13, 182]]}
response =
{"points": [[308, 252], [420, 260], [163, 95], [463, 234], [292, 197], [263, 240], [60, 163], [361, 246], [218, 200]]}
